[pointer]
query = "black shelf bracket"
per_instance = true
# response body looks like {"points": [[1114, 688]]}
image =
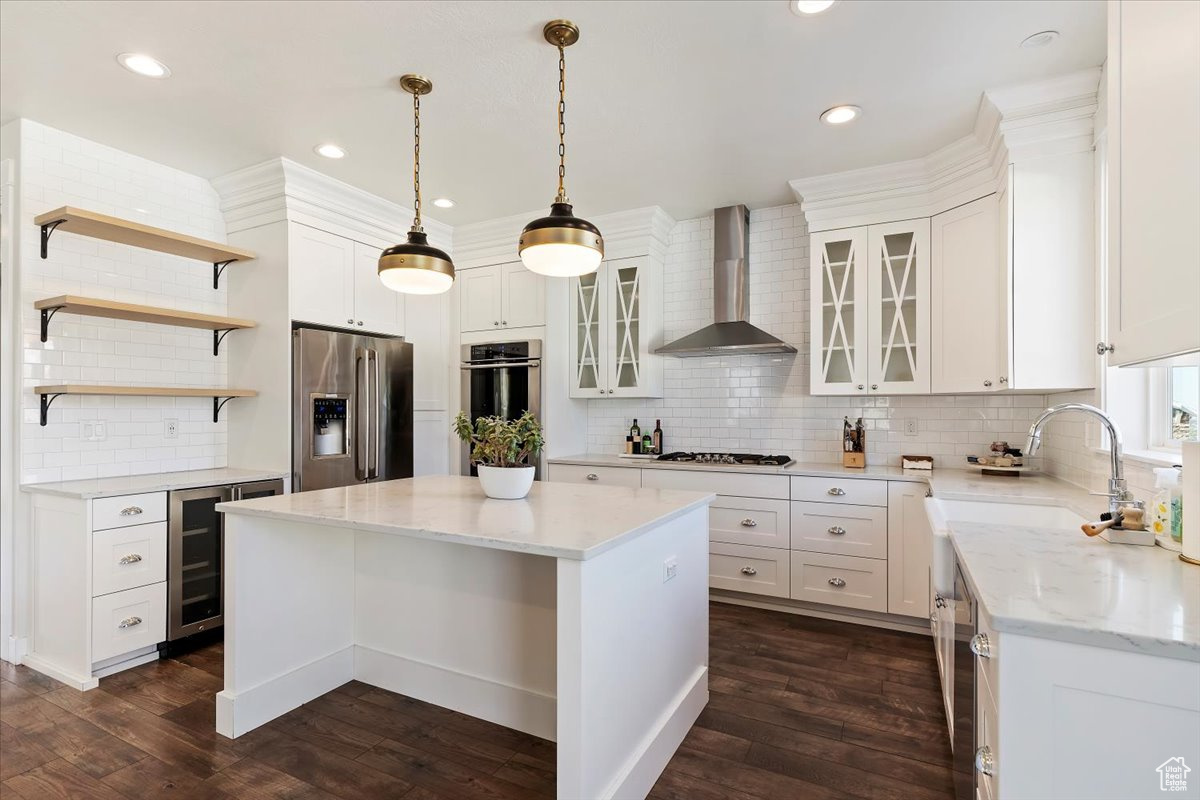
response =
{"points": [[218, 336], [48, 229], [218, 404], [218, 268], [47, 399], [47, 315]]}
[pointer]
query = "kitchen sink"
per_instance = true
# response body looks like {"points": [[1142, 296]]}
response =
{"points": [[1037, 516]]}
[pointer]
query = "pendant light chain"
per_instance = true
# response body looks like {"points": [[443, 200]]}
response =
{"points": [[417, 160], [562, 126]]}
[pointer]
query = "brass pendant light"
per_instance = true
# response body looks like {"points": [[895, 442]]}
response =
{"points": [[561, 245], [416, 267]]}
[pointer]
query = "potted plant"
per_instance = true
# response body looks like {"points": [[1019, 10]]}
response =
{"points": [[501, 449]]}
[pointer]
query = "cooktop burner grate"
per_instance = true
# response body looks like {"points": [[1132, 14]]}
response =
{"points": [[738, 459]]}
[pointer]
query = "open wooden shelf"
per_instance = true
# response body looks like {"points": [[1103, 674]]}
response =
{"points": [[111, 309], [124, 231], [219, 396]]}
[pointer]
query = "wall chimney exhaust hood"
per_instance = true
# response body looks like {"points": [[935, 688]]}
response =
{"points": [[730, 333]]}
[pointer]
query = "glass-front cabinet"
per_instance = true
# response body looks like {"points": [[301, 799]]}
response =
{"points": [[870, 309], [615, 321]]}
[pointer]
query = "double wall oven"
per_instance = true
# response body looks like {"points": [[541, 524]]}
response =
{"points": [[501, 379]]}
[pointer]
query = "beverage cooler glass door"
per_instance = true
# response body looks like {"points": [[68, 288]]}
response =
{"points": [[196, 556]]}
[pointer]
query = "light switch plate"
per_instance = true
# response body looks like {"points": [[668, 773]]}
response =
{"points": [[670, 568]]}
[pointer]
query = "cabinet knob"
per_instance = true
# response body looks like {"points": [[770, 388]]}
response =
{"points": [[601, 391], [985, 762], [933, 617], [836, 530], [591, 476], [987, 383], [837, 582], [939, 601], [860, 387], [503, 322], [836, 491], [749, 571], [350, 322], [749, 523], [360, 323], [131, 511], [1102, 348], [496, 324], [981, 646], [1003, 379], [610, 391], [132, 558], [874, 386], [129, 622]]}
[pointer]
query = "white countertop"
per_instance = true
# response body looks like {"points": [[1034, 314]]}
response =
{"points": [[1057, 583], [157, 482], [819, 470], [562, 520]]}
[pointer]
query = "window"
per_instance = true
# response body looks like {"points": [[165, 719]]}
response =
{"points": [[1179, 408]]}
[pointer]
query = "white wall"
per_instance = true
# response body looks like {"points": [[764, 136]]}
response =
{"points": [[57, 169], [761, 403]]}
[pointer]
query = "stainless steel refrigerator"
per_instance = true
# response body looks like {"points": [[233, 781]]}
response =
{"points": [[352, 403]]}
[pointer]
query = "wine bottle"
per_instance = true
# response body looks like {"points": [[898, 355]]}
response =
{"points": [[635, 431], [658, 436]]}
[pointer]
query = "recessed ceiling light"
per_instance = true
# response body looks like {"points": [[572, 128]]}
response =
{"points": [[143, 65], [444, 202], [1040, 39], [840, 115], [330, 151], [806, 8]]}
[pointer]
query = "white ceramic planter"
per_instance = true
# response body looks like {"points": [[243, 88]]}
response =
{"points": [[506, 483]]}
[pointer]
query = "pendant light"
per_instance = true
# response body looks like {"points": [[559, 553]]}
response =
{"points": [[561, 245], [416, 267]]}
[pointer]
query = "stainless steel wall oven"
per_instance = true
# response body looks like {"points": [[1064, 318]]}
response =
{"points": [[500, 379]]}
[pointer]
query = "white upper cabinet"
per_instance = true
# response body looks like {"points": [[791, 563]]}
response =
{"points": [[501, 296], [1153, 180], [616, 321], [870, 309], [334, 281], [967, 287]]}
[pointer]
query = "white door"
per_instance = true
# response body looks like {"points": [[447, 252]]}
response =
{"points": [[524, 296], [967, 280], [626, 348], [377, 308], [1154, 180], [838, 291], [588, 365], [480, 293], [898, 315], [909, 550], [321, 276]]}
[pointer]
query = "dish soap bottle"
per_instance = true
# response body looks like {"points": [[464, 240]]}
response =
{"points": [[1166, 511]]}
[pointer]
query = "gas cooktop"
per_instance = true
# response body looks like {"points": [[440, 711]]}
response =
{"points": [[719, 459]]}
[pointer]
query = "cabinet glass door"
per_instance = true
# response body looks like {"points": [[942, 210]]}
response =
{"points": [[196, 555], [838, 363], [585, 327], [899, 316], [626, 363]]}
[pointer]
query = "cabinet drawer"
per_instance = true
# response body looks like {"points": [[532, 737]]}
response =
{"points": [[128, 509], [142, 612], [988, 667], [744, 520], [987, 730], [854, 491], [739, 484], [840, 529], [602, 476], [124, 558], [839, 580], [743, 568]]}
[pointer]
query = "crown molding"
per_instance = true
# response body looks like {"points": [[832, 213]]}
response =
{"points": [[636, 232], [281, 189], [1011, 124]]}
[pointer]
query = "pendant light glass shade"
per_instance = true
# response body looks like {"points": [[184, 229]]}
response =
{"points": [[561, 245], [416, 267]]}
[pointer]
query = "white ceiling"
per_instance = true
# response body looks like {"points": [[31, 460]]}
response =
{"points": [[688, 105]]}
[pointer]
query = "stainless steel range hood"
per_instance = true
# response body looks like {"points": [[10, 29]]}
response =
{"points": [[730, 333]]}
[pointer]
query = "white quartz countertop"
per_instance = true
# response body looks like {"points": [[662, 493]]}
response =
{"points": [[818, 470], [562, 520], [157, 482], [1057, 583]]}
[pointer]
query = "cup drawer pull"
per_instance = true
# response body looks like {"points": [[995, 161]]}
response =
{"points": [[837, 582], [836, 530], [749, 523], [129, 622], [837, 491], [591, 476], [131, 511], [980, 645], [749, 571], [131, 558], [985, 762]]}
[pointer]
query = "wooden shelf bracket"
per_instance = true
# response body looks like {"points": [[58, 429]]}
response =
{"points": [[47, 229]]}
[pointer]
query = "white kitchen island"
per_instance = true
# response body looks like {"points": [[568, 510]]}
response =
{"points": [[579, 614]]}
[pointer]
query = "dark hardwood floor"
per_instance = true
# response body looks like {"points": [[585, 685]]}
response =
{"points": [[800, 708]]}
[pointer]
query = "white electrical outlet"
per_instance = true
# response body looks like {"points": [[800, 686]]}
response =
{"points": [[92, 430], [670, 568], [171, 428], [910, 427], [101, 432]]}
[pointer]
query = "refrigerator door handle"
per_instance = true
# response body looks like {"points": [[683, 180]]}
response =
{"points": [[376, 412], [361, 420]]}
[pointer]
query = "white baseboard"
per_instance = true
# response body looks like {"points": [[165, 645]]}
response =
{"points": [[511, 706], [74, 680], [891, 622], [128, 661], [638, 774], [15, 648], [247, 709]]}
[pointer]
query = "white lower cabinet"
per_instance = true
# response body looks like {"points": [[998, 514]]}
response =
{"points": [[125, 558], [601, 476], [840, 529], [909, 550], [744, 568], [839, 580], [749, 520], [126, 621]]}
